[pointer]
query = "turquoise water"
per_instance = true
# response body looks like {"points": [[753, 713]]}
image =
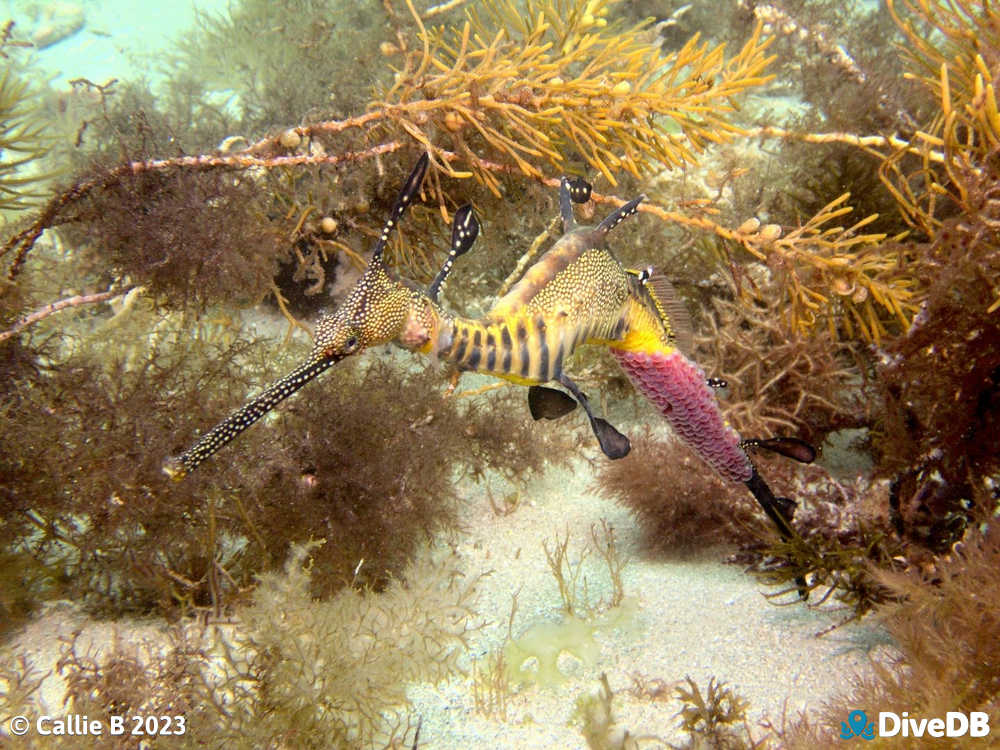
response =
{"points": [[123, 40]]}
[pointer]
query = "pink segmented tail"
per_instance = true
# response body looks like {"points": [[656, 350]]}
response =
{"points": [[678, 388]]}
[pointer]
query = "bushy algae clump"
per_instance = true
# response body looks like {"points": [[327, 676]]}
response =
{"points": [[95, 519], [677, 507], [24, 142], [285, 670]]}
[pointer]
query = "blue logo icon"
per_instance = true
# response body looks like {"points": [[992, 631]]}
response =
{"points": [[857, 725]]}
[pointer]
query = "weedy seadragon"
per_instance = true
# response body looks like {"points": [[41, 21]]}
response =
{"points": [[576, 294]]}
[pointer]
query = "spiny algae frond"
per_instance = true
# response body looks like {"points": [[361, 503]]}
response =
{"points": [[958, 64], [872, 287], [551, 80]]}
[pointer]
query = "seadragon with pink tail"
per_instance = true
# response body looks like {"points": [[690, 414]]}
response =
{"points": [[576, 294]]}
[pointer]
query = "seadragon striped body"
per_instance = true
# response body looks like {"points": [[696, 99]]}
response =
{"points": [[576, 294]]}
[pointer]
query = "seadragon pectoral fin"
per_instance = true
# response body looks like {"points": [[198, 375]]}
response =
{"points": [[548, 403], [614, 444], [669, 308]]}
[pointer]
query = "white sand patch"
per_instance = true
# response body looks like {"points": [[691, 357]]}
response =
{"points": [[695, 616]]}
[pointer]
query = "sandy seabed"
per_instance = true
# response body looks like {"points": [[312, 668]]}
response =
{"points": [[688, 616], [694, 616]]}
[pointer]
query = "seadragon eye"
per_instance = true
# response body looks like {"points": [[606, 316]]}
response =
{"points": [[351, 344]]}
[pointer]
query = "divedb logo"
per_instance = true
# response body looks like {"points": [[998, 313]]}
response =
{"points": [[890, 724]]}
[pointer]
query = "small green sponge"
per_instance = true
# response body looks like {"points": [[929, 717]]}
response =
{"points": [[544, 642]]}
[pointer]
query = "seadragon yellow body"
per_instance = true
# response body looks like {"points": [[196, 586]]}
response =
{"points": [[576, 294]]}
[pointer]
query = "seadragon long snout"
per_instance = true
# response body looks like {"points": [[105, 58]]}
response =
{"points": [[678, 388], [178, 467]]}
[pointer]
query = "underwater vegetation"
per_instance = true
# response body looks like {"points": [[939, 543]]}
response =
{"points": [[543, 80], [711, 716], [933, 445], [294, 673], [929, 449], [23, 139], [688, 513], [715, 719], [111, 538], [944, 627], [533, 656], [130, 319], [234, 70], [806, 385], [175, 235]]}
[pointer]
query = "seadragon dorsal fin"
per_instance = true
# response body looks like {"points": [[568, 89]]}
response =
{"points": [[670, 308]]}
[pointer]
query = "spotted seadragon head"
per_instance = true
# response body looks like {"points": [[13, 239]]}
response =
{"points": [[379, 309]]}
